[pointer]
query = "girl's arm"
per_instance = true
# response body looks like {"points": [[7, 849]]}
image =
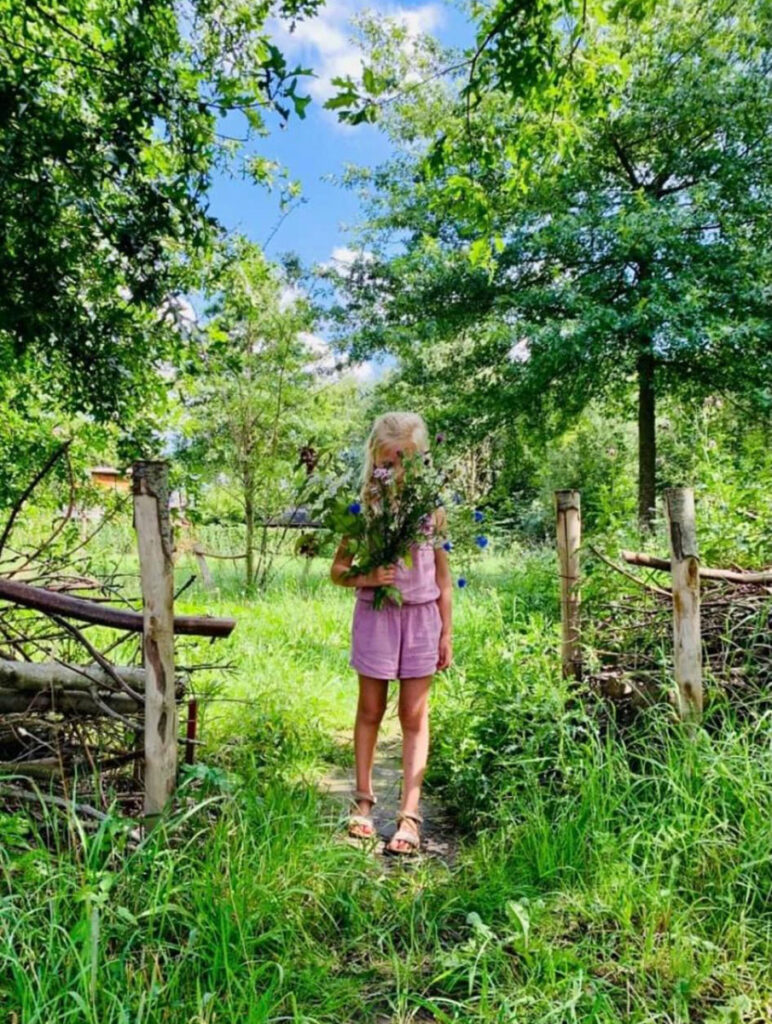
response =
{"points": [[341, 563], [445, 600]]}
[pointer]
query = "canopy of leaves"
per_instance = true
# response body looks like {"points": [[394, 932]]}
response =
{"points": [[255, 394], [546, 241], [108, 117]]}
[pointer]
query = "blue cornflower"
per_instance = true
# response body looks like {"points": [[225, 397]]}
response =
{"points": [[448, 545], [355, 508], [461, 581], [481, 541], [478, 516]]}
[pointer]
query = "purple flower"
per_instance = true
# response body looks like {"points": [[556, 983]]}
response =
{"points": [[382, 473], [448, 545], [355, 508], [478, 516], [440, 438], [461, 581]]}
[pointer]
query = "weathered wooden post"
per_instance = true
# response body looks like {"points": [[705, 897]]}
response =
{"points": [[685, 570], [203, 566], [154, 538], [569, 533]]}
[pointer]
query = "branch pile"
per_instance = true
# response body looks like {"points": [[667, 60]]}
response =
{"points": [[629, 639], [72, 696]]}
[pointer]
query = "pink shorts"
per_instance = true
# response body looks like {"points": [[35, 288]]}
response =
{"points": [[396, 642]]}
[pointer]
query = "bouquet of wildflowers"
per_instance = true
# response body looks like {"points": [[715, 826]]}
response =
{"points": [[395, 514]]}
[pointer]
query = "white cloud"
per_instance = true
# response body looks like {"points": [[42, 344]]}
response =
{"points": [[342, 254], [342, 258], [520, 351], [327, 363], [323, 43], [365, 372], [288, 296], [176, 311], [314, 342], [324, 360]]}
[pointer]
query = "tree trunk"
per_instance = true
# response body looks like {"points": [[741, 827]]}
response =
{"points": [[647, 441], [249, 517]]}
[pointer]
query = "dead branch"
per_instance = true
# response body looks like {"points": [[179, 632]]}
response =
{"points": [[35, 677], [652, 587], [726, 575], [88, 611], [49, 464]]}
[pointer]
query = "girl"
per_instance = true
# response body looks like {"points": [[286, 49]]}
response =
{"points": [[408, 642]]}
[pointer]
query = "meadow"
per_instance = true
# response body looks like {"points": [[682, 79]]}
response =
{"points": [[602, 875]]}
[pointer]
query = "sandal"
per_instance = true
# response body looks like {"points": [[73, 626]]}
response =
{"points": [[359, 820], [406, 835]]}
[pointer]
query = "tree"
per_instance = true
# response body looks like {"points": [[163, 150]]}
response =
{"points": [[257, 401], [614, 232], [108, 139]]}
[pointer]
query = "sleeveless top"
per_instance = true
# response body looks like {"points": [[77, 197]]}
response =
{"points": [[417, 584]]}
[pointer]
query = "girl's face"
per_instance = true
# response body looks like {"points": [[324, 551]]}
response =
{"points": [[389, 456]]}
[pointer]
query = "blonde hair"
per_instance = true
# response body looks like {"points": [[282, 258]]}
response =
{"points": [[390, 428]]}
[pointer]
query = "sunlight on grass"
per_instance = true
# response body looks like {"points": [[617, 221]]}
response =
{"points": [[601, 878]]}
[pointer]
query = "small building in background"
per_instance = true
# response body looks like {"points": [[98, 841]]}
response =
{"points": [[109, 477], [112, 479]]}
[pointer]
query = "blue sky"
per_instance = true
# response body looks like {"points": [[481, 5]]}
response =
{"points": [[319, 146]]}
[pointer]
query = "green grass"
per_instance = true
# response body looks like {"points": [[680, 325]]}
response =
{"points": [[601, 879]]}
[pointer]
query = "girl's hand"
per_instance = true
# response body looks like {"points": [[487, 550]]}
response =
{"points": [[383, 576], [445, 653]]}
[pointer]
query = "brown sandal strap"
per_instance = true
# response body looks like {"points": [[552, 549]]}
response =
{"points": [[410, 816], [403, 836], [359, 794], [361, 820]]}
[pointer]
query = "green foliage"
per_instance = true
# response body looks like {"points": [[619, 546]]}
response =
{"points": [[108, 138], [598, 881], [583, 238], [253, 398]]}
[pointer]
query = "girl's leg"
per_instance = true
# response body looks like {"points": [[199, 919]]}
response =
{"points": [[414, 719], [370, 711]]}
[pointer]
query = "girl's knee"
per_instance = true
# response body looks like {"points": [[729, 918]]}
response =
{"points": [[371, 714], [414, 719]]}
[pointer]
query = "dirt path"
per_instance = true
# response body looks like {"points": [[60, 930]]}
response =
{"points": [[438, 838]]}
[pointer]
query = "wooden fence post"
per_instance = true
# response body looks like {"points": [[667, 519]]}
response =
{"points": [[685, 570], [569, 532], [154, 539]]}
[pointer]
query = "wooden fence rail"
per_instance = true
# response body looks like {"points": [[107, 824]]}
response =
{"points": [[103, 615]]}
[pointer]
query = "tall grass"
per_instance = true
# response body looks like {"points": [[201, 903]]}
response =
{"points": [[601, 878]]}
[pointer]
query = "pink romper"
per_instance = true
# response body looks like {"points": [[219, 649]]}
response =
{"points": [[400, 641]]}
